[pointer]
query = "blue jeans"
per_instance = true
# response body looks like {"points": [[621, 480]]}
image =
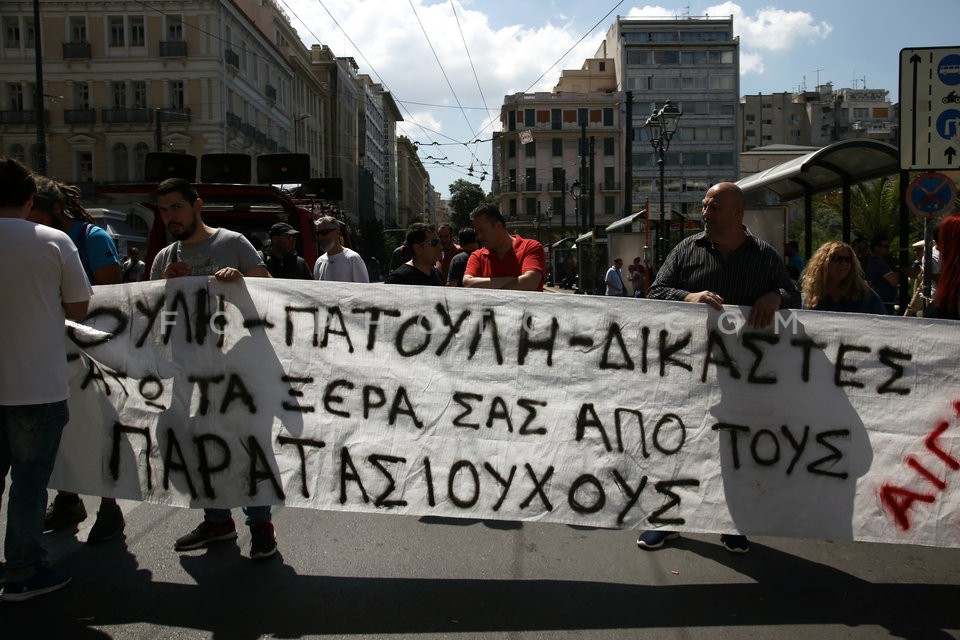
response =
{"points": [[29, 439], [255, 515]]}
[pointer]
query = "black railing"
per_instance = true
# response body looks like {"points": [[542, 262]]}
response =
{"points": [[232, 58], [120, 115], [79, 116], [171, 114], [22, 117], [77, 50], [173, 49]]}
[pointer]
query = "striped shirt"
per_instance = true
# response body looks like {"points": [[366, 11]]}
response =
{"points": [[751, 271]]}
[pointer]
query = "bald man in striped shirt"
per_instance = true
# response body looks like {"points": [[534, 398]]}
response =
{"points": [[724, 264]]}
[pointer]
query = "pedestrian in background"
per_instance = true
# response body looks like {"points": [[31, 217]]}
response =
{"points": [[832, 281], [58, 205], [458, 266], [281, 257], [614, 279], [880, 274], [448, 249], [338, 263], [724, 264], [424, 245], [42, 284]]}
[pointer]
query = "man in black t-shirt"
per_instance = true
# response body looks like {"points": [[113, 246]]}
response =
{"points": [[281, 258], [423, 244]]}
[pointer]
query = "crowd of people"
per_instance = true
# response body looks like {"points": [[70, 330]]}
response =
{"points": [[46, 233]]}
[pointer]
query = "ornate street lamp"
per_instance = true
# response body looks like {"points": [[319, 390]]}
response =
{"points": [[576, 190], [660, 126]]}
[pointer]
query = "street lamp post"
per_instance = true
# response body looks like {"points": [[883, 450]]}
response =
{"points": [[576, 190], [660, 126]]}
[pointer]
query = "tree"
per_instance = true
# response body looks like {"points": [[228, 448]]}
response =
{"points": [[464, 197]]}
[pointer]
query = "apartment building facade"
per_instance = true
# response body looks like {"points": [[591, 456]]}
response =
{"points": [[694, 63], [551, 140]]}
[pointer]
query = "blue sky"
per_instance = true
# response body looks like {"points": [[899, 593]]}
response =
{"points": [[449, 63]]}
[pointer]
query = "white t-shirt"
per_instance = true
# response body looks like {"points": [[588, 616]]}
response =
{"points": [[346, 266], [41, 270]]}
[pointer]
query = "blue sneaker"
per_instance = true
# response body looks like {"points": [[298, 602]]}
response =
{"points": [[654, 538], [45, 580], [735, 543]]}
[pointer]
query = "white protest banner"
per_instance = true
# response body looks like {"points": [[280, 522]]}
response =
{"points": [[585, 410]]}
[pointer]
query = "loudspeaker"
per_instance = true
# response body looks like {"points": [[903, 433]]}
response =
{"points": [[283, 168], [229, 168], [323, 188], [160, 165]]}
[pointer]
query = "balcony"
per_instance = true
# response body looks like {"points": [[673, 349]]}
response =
{"points": [[233, 120], [271, 92], [171, 114], [528, 186], [77, 50], [232, 58], [22, 117], [79, 116], [173, 49], [119, 115]]}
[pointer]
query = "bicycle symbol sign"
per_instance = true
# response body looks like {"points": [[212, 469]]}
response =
{"points": [[931, 195]]}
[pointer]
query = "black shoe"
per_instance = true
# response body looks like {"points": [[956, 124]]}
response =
{"points": [[655, 538], [45, 580], [205, 533], [735, 543], [263, 543], [63, 512], [109, 523]]}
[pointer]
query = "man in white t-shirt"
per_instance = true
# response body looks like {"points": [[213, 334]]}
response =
{"points": [[42, 284], [338, 263]]}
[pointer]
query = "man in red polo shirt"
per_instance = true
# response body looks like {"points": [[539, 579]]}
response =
{"points": [[504, 261]]}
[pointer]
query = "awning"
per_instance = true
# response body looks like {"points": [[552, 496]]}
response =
{"points": [[626, 222], [562, 241], [845, 162], [584, 237]]}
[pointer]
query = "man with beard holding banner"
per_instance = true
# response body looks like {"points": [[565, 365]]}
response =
{"points": [[724, 264], [200, 250]]}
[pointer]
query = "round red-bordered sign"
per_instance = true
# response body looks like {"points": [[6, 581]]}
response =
{"points": [[931, 195]]}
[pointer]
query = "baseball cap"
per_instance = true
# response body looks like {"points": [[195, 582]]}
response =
{"points": [[283, 229]]}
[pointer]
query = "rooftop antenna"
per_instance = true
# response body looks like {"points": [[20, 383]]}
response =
{"points": [[818, 75]]}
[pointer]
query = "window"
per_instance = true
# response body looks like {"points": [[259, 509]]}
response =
{"points": [[174, 29], [556, 145], [609, 177], [11, 33], [31, 33], [511, 148], [529, 117], [530, 206], [78, 29], [177, 99], [15, 96], [81, 95], [751, 118], [84, 166], [721, 82], [120, 163], [140, 160], [118, 92], [666, 82], [138, 89], [609, 146], [557, 184], [667, 57], [609, 205], [116, 31], [603, 66], [639, 57], [608, 117], [530, 179], [555, 119], [137, 32], [861, 113], [530, 149], [511, 120], [582, 116]]}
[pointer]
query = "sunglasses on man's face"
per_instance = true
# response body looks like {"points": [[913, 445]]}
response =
{"points": [[325, 232]]}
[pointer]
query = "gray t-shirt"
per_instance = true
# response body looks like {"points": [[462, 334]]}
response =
{"points": [[223, 249]]}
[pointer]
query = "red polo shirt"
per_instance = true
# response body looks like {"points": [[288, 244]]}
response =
{"points": [[527, 255]]}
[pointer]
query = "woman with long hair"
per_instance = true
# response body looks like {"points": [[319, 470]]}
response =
{"points": [[832, 281], [947, 302]]}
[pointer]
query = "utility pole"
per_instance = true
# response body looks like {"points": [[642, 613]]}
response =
{"points": [[628, 157], [563, 203], [41, 167]]}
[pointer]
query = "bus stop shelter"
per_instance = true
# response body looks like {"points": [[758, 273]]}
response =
{"points": [[837, 166]]}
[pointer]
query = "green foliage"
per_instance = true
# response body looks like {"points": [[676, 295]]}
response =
{"points": [[464, 197], [874, 211]]}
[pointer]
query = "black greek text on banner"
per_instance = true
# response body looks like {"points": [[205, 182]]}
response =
{"points": [[596, 411]]}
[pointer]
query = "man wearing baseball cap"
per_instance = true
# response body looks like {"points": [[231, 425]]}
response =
{"points": [[281, 257]]}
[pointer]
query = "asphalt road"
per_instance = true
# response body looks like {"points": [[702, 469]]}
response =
{"points": [[387, 576]]}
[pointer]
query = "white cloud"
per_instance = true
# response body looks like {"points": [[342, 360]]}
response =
{"points": [[771, 29]]}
